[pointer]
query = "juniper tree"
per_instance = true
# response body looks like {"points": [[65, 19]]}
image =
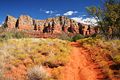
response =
{"points": [[107, 16]]}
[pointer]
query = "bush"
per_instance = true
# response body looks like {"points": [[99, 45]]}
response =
{"points": [[117, 58], [11, 34], [77, 37], [65, 36], [70, 37], [38, 73]]}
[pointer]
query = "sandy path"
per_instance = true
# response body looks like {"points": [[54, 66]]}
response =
{"points": [[79, 67]]}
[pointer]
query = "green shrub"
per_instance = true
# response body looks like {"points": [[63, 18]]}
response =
{"points": [[68, 37], [12, 34], [19, 35], [77, 37], [4, 25], [65, 36], [117, 58]]}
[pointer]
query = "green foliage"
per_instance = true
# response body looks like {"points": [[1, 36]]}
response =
{"points": [[65, 36], [117, 58], [87, 41], [4, 25], [2, 30], [21, 56], [77, 37], [108, 17], [12, 34], [71, 38]]}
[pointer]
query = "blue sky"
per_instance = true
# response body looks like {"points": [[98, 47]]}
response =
{"points": [[42, 9]]}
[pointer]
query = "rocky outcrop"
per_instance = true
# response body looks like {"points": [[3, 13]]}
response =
{"points": [[10, 21], [60, 24], [25, 23], [51, 25], [38, 25]]}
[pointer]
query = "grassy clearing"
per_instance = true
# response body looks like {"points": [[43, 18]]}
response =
{"points": [[51, 53]]}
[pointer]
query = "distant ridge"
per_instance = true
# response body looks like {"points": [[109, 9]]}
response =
{"points": [[51, 25]]}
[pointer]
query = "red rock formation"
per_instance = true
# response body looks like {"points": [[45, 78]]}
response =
{"points": [[25, 23], [38, 25], [11, 22], [51, 25]]}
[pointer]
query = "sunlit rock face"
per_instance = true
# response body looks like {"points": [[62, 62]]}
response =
{"points": [[55, 25], [38, 25], [61, 24], [51, 25], [25, 23], [10, 22]]}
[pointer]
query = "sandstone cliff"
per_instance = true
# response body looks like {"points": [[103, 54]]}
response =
{"points": [[10, 21], [25, 23], [51, 25], [38, 25]]}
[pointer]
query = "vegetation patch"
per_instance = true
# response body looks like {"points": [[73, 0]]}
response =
{"points": [[38, 73], [104, 52], [33, 51], [13, 33]]}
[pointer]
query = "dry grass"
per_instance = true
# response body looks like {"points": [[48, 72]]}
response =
{"points": [[38, 51], [22, 48], [38, 73], [103, 52]]}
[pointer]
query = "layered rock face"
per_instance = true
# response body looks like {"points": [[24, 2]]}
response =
{"points": [[11, 22], [25, 23], [51, 25], [38, 25], [56, 25]]}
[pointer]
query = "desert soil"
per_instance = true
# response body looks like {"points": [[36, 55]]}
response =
{"points": [[80, 67]]}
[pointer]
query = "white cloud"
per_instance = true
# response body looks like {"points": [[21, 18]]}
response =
{"points": [[69, 13], [88, 21], [49, 12], [57, 15]]}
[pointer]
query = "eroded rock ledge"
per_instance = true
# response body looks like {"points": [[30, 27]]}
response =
{"points": [[51, 25]]}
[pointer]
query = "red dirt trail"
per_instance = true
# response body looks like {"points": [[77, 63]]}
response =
{"points": [[79, 67]]}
